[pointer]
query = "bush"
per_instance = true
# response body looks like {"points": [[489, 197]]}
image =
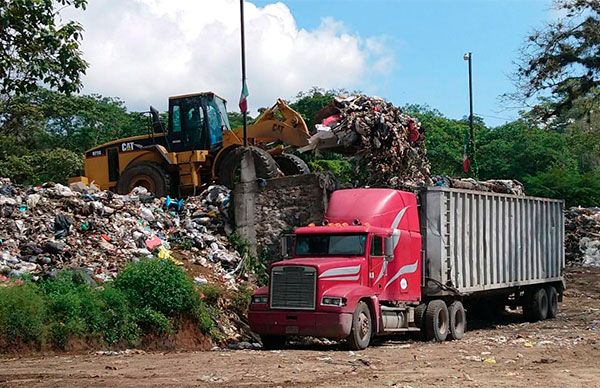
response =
{"points": [[159, 285], [119, 324], [152, 321], [22, 315], [74, 308], [211, 293], [240, 298]]}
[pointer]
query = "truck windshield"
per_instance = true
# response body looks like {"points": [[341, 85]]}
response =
{"points": [[330, 244]]}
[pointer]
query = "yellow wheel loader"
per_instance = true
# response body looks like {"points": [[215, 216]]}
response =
{"points": [[197, 148]]}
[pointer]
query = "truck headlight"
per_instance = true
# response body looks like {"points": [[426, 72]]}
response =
{"points": [[259, 299], [333, 301]]}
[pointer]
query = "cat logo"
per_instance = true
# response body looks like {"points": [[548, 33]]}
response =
{"points": [[129, 146]]}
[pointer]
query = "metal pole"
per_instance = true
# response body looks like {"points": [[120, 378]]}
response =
{"points": [[244, 114], [468, 57]]}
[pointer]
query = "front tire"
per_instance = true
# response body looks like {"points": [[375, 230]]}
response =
{"points": [[291, 164], [229, 167], [362, 327], [150, 175]]}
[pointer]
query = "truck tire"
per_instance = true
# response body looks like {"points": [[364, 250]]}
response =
{"points": [[291, 164], [535, 307], [436, 321], [362, 327], [272, 342], [552, 302], [229, 168], [458, 320], [420, 322], [150, 175]]}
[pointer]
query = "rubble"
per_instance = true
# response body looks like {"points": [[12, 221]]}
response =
{"points": [[505, 186], [46, 228], [582, 236], [390, 142]]}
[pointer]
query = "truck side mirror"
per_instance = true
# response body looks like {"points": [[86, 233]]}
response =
{"points": [[389, 243], [287, 243]]}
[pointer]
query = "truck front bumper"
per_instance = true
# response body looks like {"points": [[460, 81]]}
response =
{"points": [[303, 323]]}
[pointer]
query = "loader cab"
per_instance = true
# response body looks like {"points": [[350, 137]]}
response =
{"points": [[197, 122]]}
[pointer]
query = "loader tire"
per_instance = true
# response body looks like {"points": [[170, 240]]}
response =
{"points": [[291, 164], [229, 168], [458, 320], [150, 175], [436, 321], [535, 307], [552, 302]]}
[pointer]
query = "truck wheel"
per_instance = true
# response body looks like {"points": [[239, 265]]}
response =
{"points": [[436, 321], [272, 342], [420, 322], [291, 164], [229, 168], [458, 320], [150, 175], [362, 327], [535, 307], [552, 302]]}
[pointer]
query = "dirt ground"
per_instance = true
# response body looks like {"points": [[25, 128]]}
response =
{"points": [[564, 352]]}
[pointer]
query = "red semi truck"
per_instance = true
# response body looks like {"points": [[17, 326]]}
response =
{"points": [[388, 261]]}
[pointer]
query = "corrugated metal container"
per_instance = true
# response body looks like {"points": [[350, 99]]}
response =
{"points": [[476, 241]]}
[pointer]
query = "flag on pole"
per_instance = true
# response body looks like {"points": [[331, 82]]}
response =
{"points": [[243, 99], [466, 162]]}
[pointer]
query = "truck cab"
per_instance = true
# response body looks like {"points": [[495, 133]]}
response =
{"points": [[366, 258]]}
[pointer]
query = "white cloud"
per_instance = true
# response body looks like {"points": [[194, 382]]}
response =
{"points": [[146, 50]]}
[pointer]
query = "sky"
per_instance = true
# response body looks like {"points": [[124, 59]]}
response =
{"points": [[408, 52]]}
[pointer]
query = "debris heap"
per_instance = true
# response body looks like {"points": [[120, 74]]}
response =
{"points": [[505, 186], [582, 236], [50, 227], [390, 142]]}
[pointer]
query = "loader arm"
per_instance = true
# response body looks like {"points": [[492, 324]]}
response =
{"points": [[280, 122]]}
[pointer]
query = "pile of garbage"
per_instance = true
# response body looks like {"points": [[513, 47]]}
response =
{"points": [[390, 142], [46, 228], [505, 186], [582, 236]]}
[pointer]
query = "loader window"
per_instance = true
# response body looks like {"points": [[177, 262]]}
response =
{"points": [[330, 244], [215, 124], [176, 119]]}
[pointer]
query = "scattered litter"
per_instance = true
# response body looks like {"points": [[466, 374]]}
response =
{"points": [[100, 231]]}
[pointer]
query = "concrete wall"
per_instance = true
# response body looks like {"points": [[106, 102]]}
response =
{"points": [[285, 203]]}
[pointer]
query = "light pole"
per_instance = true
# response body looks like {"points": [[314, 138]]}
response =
{"points": [[468, 57], [243, 96]]}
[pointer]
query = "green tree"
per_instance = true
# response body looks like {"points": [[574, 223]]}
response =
{"points": [[308, 103], [562, 60], [36, 48]]}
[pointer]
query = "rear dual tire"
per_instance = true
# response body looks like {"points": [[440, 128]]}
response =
{"points": [[441, 322], [541, 303]]}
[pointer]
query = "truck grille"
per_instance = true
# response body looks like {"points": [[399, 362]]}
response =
{"points": [[293, 287]]}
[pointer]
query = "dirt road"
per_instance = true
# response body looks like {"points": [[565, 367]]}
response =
{"points": [[555, 353]]}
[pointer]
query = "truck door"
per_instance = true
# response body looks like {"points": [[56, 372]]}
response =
{"points": [[377, 270]]}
